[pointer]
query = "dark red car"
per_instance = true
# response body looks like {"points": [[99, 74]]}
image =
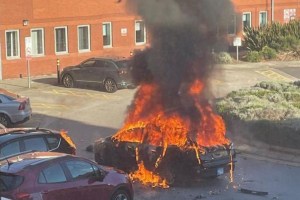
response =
{"points": [[58, 176]]}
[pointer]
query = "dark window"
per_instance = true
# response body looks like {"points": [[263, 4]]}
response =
{"points": [[52, 174], [140, 33], [9, 149], [89, 63], [100, 63], [110, 65], [36, 143], [53, 142], [80, 169], [9, 182]]}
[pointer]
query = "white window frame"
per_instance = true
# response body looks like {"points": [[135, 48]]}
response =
{"points": [[18, 45], [89, 39], [110, 26], [260, 17], [250, 19], [67, 47], [145, 37], [43, 42]]}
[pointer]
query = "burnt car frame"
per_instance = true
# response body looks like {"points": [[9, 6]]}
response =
{"points": [[108, 73], [177, 166]]}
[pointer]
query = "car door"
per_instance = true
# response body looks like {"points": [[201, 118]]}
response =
{"points": [[85, 70], [53, 184], [89, 179]]}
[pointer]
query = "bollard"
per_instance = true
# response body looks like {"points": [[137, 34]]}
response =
{"points": [[58, 70]]}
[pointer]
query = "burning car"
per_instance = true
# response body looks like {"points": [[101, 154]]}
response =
{"points": [[163, 147], [178, 164]]}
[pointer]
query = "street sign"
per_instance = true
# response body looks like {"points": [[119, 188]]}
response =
{"points": [[237, 42], [28, 48]]}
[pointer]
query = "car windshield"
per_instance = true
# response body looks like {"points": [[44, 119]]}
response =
{"points": [[9, 182]]}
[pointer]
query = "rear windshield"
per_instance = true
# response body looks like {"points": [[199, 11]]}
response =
{"points": [[9, 182]]}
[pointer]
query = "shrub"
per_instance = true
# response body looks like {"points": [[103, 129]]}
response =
{"points": [[223, 58], [253, 56], [268, 53]]}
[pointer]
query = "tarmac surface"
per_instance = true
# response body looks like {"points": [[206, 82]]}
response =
{"points": [[282, 71]]}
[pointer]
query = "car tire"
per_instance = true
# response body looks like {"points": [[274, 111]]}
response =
{"points": [[120, 195], [4, 120], [110, 85], [68, 81]]}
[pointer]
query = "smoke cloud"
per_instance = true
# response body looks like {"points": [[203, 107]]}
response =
{"points": [[183, 34]]}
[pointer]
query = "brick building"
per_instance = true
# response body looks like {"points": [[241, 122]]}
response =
{"points": [[72, 31]]}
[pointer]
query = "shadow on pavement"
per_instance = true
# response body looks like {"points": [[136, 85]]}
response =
{"points": [[83, 134]]}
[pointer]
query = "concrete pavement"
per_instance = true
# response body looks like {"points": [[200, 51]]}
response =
{"points": [[249, 148]]}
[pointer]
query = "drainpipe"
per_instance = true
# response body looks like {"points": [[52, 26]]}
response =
{"points": [[272, 9]]}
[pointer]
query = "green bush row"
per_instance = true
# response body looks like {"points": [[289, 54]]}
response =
{"points": [[280, 37]]}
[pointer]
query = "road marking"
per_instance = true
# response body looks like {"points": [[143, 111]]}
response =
{"points": [[49, 106], [81, 94], [274, 75]]}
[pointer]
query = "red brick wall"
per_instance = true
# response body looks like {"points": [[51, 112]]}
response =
{"points": [[54, 13]]}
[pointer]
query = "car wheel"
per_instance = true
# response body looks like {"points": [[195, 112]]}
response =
{"points": [[120, 195], [4, 120], [110, 85], [68, 81]]}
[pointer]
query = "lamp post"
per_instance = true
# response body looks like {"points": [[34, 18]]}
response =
{"points": [[272, 9]]}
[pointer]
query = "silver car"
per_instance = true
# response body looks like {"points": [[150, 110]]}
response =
{"points": [[14, 109]]}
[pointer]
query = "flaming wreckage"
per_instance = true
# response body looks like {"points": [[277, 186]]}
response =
{"points": [[158, 144], [161, 150]]}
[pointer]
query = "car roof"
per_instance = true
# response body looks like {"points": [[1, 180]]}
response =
{"points": [[110, 58], [13, 133], [19, 162]]}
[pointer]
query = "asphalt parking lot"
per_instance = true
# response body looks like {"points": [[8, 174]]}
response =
{"points": [[88, 114]]}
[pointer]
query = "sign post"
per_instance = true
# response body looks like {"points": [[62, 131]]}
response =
{"points": [[28, 48], [237, 42]]}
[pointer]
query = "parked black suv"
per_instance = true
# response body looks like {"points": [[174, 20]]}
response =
{"points": [[110, 73], [16, 140]]}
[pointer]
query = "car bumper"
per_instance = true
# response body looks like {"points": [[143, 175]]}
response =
{"points": [[21, 118], [214, 171]]}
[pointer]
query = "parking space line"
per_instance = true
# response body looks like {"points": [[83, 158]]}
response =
{"points": [[274, 75], [49, 106], [81, 94]]}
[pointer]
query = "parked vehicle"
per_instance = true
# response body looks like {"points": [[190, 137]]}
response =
{"points": [[14, 109], [58, 176], [110, 73], [16, 140], [178, 165]]}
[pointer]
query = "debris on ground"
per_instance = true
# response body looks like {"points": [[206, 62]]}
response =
{"points": [[248, 191]]}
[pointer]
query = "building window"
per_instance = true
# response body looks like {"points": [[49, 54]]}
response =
{"points": [[263, 18], [12, 44], [246, 20], [84, 38], [140, 32], [106, 32], [232, 25], [61, 40], [37, 40], [289, 14]]}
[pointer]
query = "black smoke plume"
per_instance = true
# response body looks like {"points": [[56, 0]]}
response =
{"points": [[182, 34]]}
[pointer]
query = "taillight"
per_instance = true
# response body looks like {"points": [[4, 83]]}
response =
{"points": [[22, 105], [22, 196]]}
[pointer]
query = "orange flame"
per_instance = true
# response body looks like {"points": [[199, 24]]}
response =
{"points": [[147, 122]]}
